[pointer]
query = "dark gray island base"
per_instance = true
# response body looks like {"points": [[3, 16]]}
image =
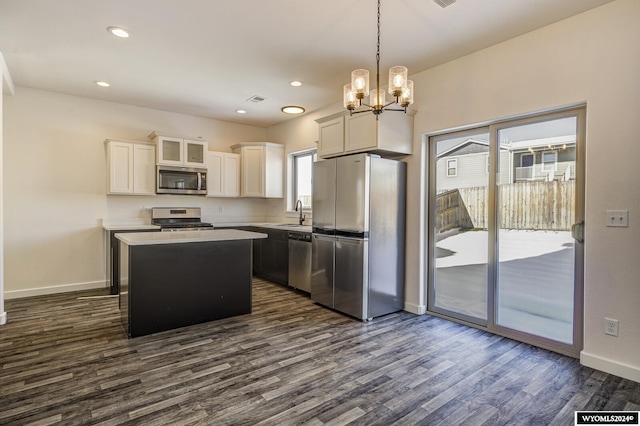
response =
{"points": [[188, 280]]}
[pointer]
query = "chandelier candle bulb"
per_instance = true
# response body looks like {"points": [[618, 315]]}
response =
{"points": [[406, 98], [360, 82], [377, 99], [349, 98], [397, 80]]}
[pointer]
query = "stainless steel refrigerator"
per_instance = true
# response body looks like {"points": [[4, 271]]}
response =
{"points": [[359, 235]]}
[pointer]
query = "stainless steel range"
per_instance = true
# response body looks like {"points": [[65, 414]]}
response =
{"points": [[178, 219]]}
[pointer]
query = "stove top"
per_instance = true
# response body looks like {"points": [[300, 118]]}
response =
{"points": [[178, 219], [188, 225]]}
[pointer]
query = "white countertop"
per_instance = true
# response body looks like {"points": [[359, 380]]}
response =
{"points": [[143, 224], [127, 224], [282, 226], [177, 237], [128, 227]]}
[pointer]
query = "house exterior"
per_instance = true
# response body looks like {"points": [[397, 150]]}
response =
{"points": [[466, 164], [544, 159]]}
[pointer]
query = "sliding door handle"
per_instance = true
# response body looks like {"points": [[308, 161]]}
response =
{"points": [[577, 231]]}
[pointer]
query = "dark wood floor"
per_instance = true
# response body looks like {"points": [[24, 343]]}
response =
{"points": [[66, 360]]}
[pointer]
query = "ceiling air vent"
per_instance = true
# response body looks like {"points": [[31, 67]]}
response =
{"points": [[255, 99], [444, 3]]}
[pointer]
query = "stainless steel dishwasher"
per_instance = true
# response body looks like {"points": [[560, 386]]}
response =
{"points": [[300, 260]]}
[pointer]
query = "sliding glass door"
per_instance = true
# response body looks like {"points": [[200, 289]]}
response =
{"points": [[501, 246], [461, 200]]}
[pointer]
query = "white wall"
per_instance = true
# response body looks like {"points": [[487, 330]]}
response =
{"points": [[55, 184], [592, 58], [3, 314], [6, 86]]}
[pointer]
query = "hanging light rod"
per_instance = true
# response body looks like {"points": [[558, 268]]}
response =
{"points": [[399, 87]]}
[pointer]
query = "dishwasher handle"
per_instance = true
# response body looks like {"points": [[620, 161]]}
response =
{"points": [[300, 236]]}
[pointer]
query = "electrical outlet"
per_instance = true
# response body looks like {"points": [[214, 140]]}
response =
{"points": [[220, 209], [611, 326], [618, 218]]}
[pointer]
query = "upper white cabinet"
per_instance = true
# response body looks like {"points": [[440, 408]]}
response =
{"points": [[262, 169], [341, 134], [223, 174], [174, 151], [131, 166], [331, 141]]}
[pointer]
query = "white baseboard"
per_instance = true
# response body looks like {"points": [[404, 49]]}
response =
{"points": [[3, 318], [42, 291], [610, 366], [415, 309]]}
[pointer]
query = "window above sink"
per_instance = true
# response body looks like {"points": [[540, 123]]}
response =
{"points": [[300, 164]]}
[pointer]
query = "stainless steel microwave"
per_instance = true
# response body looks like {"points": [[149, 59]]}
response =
{"points": [[181, 180]]}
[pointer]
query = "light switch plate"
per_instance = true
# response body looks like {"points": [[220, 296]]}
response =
{"points": [[618, 218]]}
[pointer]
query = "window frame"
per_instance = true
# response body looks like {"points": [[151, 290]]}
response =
{"points": [[455, 168], [552, 165], [292, 195], [528, 154]]}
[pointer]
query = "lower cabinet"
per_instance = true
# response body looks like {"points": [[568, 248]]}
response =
{"points": [[271, 255]]}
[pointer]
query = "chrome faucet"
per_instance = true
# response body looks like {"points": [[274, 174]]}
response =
{"points": [[301, 218]]}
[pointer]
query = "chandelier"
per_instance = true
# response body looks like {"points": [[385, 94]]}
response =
{"points": [[400, 88]]}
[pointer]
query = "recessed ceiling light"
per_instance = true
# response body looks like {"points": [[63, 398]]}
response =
{"points": [[119, 32], [296, 83], [292, 109], [241, 111], [102, 83]]}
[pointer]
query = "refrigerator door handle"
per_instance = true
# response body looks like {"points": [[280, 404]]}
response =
{"points": [[324, 237], [352, 240]]}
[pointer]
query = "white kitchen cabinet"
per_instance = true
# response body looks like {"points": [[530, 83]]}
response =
{"points": [[174, 151], [223, 174], [261, 170], [131, 166], [331, 141], [390, 135]]}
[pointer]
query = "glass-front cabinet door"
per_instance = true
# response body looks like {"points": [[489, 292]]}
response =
{"points": [[181, 152], [169, 151], [195, 153]]}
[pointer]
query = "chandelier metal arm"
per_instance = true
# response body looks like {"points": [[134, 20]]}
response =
{"points": [[351, 112]]}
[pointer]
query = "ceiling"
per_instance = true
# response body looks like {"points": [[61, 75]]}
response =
{"points": [[207, 57]]}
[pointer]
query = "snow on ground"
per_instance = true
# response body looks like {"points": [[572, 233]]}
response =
{"points": [[470, 248], [535, 276]]}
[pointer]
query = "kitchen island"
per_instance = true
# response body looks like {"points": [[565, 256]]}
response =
{"points": [[175, 279]]}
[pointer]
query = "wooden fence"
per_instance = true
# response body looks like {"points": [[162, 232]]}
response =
{"points": [[523, 205]]}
